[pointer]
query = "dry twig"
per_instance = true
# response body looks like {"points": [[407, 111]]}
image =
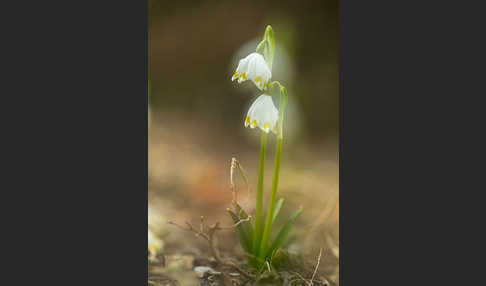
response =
{"points": [[209, 237], [310, 282], [317, 266], [207, 232], [235, 164]]}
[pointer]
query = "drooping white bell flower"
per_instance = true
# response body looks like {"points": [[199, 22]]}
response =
{"points": [[255, 68], [262, 113]]}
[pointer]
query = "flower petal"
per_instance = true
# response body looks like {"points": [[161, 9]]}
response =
{"points": [[262, 113], [255, 68]]}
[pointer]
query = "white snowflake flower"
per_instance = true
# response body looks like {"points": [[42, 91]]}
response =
{"points": [[255, 68], [262, 113]]}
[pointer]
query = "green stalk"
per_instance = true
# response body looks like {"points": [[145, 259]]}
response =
{"points": [[259, 199], [278, 152]]}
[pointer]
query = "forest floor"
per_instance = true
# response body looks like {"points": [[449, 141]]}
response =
{"points": [[189, 177]]}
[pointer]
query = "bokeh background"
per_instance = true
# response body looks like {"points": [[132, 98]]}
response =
{"points": [[196, 117]]}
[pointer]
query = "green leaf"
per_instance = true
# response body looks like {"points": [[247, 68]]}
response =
{"points": [[283, 233], [245, 240], [245, 229], [270, 38], [278, 205], [247, 225]]}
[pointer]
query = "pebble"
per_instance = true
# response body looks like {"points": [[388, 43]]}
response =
{"points": [[201, 270]]}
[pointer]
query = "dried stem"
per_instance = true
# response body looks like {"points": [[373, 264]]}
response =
{"points": [[209, 237], [235, 164], [207, 232], [236, 224], [310, 282], [232, 183], [317, 266]]}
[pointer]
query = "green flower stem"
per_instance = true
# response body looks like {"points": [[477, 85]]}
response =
{"points": [[259, 199], [268, 221], [278, 152]]}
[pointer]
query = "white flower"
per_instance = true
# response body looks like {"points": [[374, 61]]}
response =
{"points": [[262, 113], [253, 67]]}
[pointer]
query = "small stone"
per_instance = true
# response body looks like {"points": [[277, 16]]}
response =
{"points": [[201, 270]]}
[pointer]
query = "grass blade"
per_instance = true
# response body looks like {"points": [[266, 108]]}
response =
{"points": [[278, 205], [279, 239], [245, 240], [246, 225]]}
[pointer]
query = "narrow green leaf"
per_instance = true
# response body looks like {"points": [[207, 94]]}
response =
{"points": [[278, 205], [243, 236], [283, 233], [270, 38], [246, 225], [242, 212], [260, 45], [254, 261]]}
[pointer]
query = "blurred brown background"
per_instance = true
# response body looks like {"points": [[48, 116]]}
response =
{"points": [[193, 46], [196, 114]]}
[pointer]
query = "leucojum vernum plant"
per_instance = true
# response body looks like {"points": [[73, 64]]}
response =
{"points": [[256, 237]]}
